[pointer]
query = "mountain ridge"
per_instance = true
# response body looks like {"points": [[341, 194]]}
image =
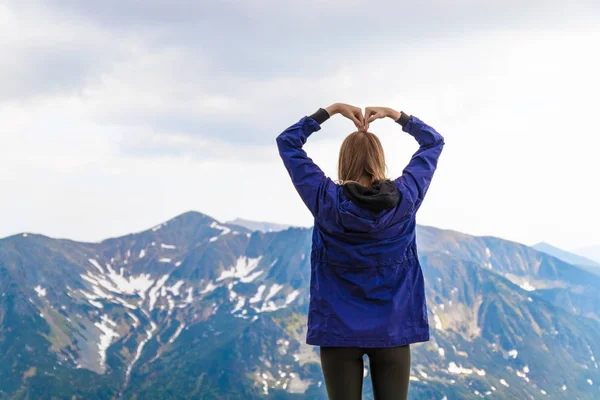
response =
{"points": [[564, 255], [591, 252], [196, 307]]}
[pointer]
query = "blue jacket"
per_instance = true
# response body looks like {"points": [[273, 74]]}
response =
{"points": [[366, 287]]}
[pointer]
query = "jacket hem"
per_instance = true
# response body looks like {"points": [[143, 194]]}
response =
{"points": [[403, 341]]}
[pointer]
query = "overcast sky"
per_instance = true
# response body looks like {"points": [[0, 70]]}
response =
{"points": [[119, 114]]}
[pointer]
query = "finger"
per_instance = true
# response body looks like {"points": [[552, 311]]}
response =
{"points": [[359, 116], [377, 115]]}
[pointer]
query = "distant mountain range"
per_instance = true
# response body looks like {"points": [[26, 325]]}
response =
{"points": [[569, 257], [259, 226], [591, 252], [195, 308]]}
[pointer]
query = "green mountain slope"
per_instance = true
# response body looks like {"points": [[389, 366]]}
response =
{"points": [[193, 308]]}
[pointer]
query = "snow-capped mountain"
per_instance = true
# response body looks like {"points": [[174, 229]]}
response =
{"points": [[195, 308]]}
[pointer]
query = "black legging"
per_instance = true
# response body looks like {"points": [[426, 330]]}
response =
{"points": [[343, 372]]}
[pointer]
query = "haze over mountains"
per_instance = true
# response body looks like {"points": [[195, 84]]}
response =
{"points": [[259, 226], [196, 308], [569, 257], [591, 252]]}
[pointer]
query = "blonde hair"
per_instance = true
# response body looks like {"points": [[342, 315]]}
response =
{"points": [[361, 159]]}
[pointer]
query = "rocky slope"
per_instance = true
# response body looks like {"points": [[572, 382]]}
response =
{"points": [[194, 308]]}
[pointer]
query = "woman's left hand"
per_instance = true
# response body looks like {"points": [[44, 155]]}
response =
{"points": [[354, 114], [373, 113]]}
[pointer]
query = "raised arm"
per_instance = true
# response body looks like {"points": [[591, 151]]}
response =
{"points": [[417, 175], [310, 182]]}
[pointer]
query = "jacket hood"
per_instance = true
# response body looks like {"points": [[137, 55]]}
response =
{"points": [[365, 210], [381, 196]]}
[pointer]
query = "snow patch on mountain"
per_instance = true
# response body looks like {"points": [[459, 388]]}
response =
{"points": [[251, 277], [522, 374], [273, 291], [153, 294], [96, 304], [456, 369], [438, 322], [41, 292], [292, 296], [190, 296], [175, 288], [240, 303], [210, 286], [138, 353], [171, 304], [527, 286], [96, 264], [177, 333], [258, 296], [101, 293], [121, 284], [136, 321], [106, 326], [224, 230], [242, 268], [215, 225]]}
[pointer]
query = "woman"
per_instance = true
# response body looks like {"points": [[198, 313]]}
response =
{"points": [[367, 292]]}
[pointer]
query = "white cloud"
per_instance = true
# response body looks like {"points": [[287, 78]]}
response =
{"points": [[109, 113]]}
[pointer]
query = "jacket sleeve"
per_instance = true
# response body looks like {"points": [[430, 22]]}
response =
{"points": [[309, 180], [417, 175]]}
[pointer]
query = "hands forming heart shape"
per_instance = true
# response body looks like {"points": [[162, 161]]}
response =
{"points": [[362, 120]]}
